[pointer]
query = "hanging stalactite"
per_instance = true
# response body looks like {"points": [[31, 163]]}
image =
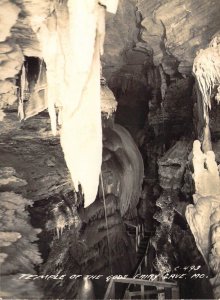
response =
{"points": [[206, 69], [202, 216], [71, 39]]}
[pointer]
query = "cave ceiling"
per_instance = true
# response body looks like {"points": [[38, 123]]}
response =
{"points": [[149, 51], [173, 30]]}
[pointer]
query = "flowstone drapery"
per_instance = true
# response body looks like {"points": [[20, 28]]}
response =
{"points": [[204, 216], [206, 69], [71, 38]]}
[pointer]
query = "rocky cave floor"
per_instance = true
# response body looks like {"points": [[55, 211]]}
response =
{"points": [[33, 167]]}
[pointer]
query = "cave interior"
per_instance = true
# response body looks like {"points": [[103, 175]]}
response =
{"points": [[109, 149]]}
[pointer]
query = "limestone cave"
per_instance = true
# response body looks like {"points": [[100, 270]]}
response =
{"points": [[109, 149]]}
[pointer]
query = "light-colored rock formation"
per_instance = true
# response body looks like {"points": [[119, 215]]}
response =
{"points": [[108, 102], [18, 252], [148, 44], [101, 246], [206, 174], [206, 69], [75, 32], [124, 180], [203, 216], [8, 93], [11, 63], [11, 57], [71, 70], [8, 16]]}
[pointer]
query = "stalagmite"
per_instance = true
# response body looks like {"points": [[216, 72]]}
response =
{"points": [[204, 216], [206, 175], [71, 40]]}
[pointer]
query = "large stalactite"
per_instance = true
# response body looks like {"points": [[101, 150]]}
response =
{"points": [[150, 47], [71, 39]]}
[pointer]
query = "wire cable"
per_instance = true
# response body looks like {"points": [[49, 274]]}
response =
{"points": [[106, 221]]}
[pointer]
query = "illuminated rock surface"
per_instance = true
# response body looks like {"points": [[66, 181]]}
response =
{"points": [[149, 51]]}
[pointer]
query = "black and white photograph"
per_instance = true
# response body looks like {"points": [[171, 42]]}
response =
{"points": [[109, 149]]}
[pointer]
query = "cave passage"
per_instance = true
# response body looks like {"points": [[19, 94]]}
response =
{"points": [[109, 149]]}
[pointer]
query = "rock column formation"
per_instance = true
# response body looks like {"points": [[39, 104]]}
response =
{"points": [[11, 57], [204, 216]]}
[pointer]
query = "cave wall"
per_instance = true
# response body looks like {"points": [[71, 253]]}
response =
{"points": [[170, 35], [19, 251], [149, 51], [175, 30], [162, 35]]}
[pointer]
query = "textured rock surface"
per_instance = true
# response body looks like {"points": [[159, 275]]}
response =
{"points": [[29, 148], [121, 32], [175, 30], [161, 240], [108, 102], [187, 254], [11, 62], [11, 57], [172, 165], [33, 152], [206, 173], [154, 102], [8, 93], [125, 179], [8, 15], [89, 252], [19, 254], [206, 69], [9, 180], [173, 115], [203, 216]]}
